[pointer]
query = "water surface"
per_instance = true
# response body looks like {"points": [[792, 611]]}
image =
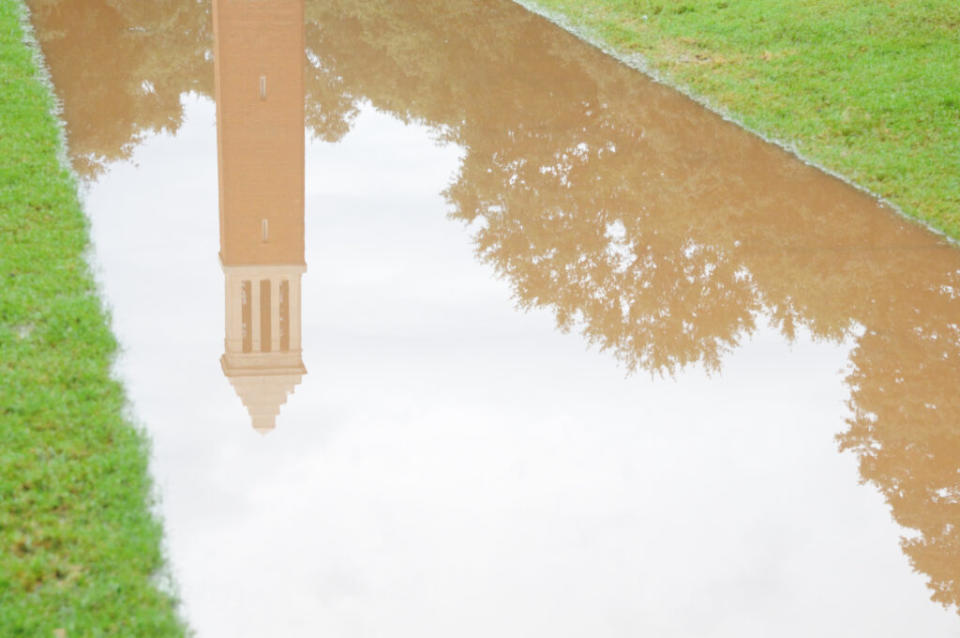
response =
{"points": [[540, 347]]}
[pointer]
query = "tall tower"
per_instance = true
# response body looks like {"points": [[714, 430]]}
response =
{"points": [[258, 64]]}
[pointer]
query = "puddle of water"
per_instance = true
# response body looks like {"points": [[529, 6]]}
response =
{"points": [[451, 463]]}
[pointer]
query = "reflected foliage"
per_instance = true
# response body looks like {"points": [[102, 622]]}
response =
{"points": [[663, 234], [905, 430], [120, 68]]}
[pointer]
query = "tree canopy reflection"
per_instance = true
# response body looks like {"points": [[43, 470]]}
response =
{"points": [[120, 67], [663, 234]]}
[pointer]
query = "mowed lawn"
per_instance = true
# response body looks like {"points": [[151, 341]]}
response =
{"points": [[869, 89], [79, 550]]}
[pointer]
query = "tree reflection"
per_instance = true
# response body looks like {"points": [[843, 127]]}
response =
{"points": [[665, 235], [662, 233], [904, 428], [120, 68]]}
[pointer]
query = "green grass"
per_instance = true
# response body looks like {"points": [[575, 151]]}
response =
{"points": [[868, 89], [79, 550]]}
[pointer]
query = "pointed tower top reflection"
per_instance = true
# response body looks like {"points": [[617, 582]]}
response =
{"points": [[260, 146]]}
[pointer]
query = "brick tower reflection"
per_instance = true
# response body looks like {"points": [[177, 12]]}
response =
{"points": [[259, 88]]}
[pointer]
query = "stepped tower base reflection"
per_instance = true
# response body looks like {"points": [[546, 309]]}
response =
{"points": [[262, 355], [259, 83]]}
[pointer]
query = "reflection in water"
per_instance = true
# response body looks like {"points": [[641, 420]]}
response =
{"points": [[660, 232], [120, 67], [259, 84]]}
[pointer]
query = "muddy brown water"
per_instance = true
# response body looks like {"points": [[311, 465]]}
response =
{"points": [[584, 359]]}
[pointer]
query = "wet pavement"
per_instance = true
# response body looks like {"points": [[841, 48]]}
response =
{"points": [[539, 347]]}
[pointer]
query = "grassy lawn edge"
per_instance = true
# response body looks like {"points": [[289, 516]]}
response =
{"points": [[81, 549], [757, 71]]}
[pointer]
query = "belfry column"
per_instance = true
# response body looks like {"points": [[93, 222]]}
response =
{"points": [[233, 292], [295, 313]]}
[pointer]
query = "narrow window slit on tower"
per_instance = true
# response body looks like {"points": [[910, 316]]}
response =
{"points": [[265, 229], [263, 87]]}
